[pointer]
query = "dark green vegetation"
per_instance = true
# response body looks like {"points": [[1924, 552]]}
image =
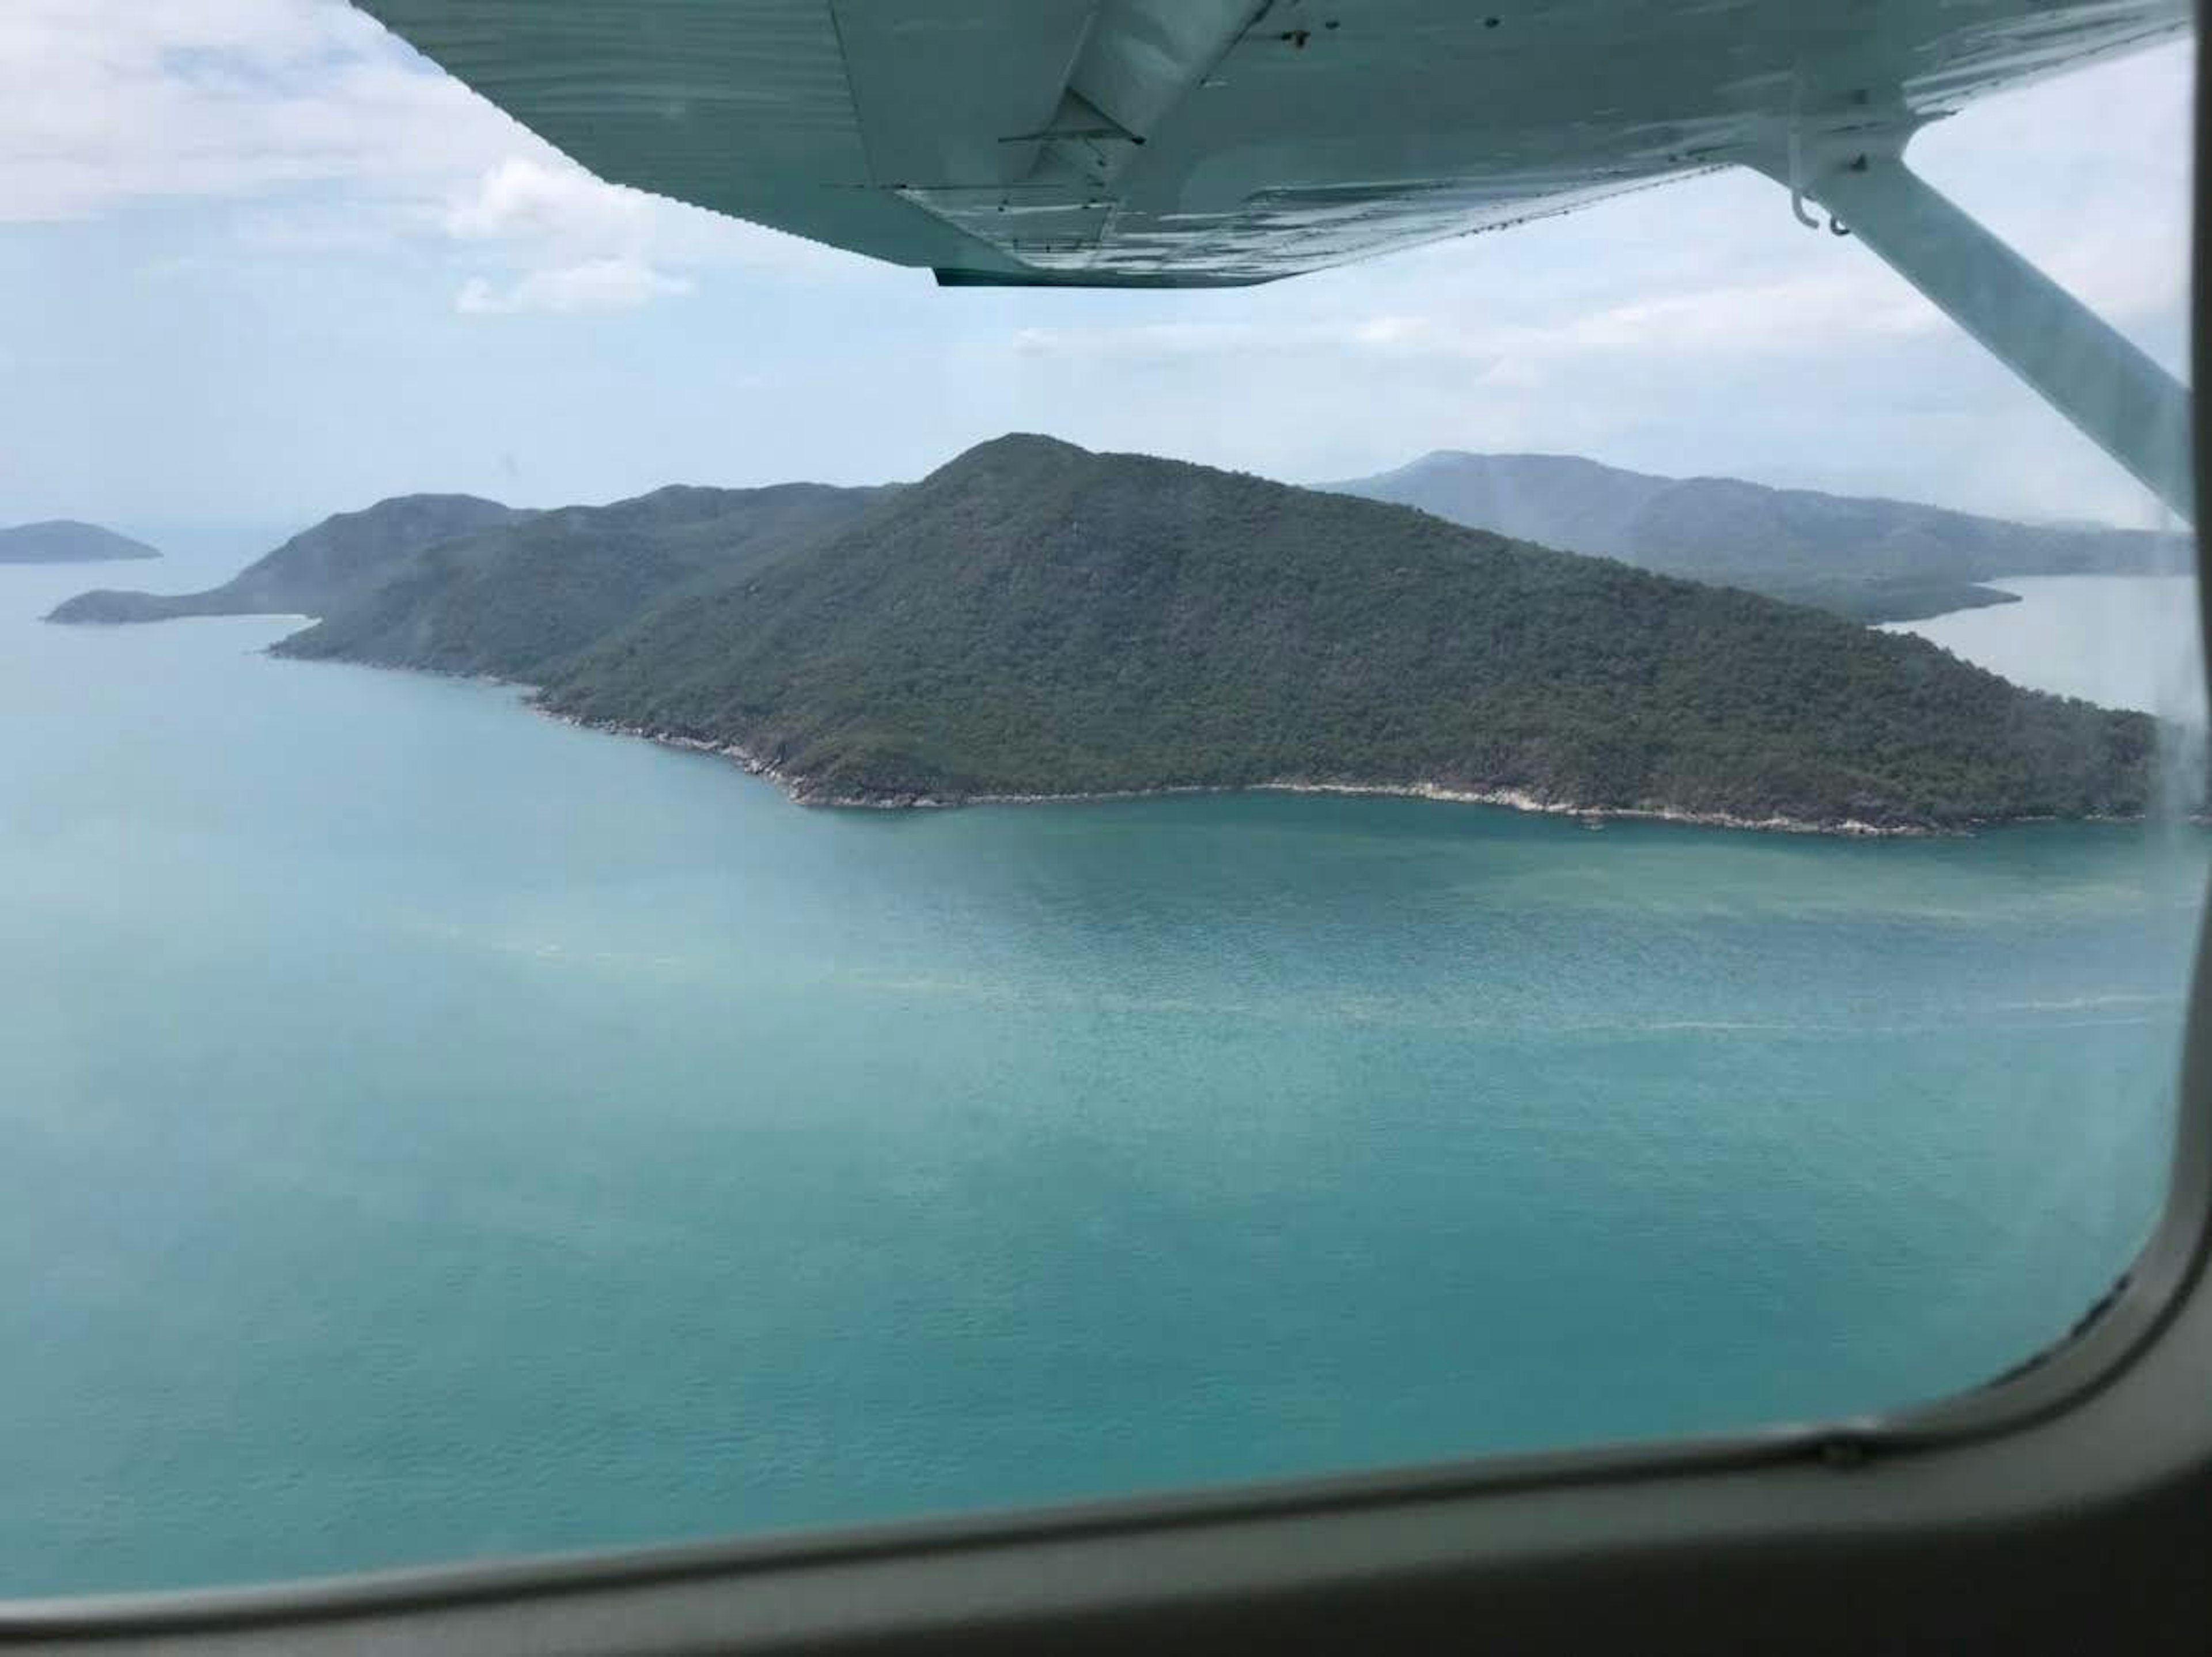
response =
{"points": [[1870, 559], [340, 560], [65, 541], [1036, 619], [517, 599], [456, 584]]}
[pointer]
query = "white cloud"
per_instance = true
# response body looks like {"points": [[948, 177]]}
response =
{"points": [[321, 131], [107, 102], [523, 198], [609, 284], [570, 242], [573, 242]]}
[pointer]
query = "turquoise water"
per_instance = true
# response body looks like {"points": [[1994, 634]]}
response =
{"points": [[434, 1132]]}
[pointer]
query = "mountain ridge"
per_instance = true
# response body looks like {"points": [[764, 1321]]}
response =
{"points": [[1869, 558], [452, 607]]}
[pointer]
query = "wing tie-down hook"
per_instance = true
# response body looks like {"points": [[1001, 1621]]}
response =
{"points": [[1797, 181], [1836, 226]]}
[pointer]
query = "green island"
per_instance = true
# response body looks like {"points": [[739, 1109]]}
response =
{"points": [[67, 540], [1035, 621]]}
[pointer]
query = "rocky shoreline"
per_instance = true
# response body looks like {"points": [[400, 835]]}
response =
{"points": [[801, 792]]}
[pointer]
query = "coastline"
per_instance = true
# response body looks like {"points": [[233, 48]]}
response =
{"points": [[800, 793]]}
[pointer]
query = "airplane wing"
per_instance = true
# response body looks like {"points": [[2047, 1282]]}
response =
{"points": [[1220, 143], [1200, 143]]}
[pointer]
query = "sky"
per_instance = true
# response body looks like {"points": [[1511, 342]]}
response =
{"points": [[260, 262]]}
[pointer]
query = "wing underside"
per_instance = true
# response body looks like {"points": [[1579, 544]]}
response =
{"points": [[1164, 142]]}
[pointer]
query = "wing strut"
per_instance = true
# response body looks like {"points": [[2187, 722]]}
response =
{"points": [[2123, 402]]}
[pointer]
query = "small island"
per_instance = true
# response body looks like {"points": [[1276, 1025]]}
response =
{"points": [[1034, 621], [66, 541]]}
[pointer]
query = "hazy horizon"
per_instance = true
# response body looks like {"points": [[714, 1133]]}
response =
{"points": [[202, 539]]}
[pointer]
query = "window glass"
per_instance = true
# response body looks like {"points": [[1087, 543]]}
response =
{"points": [[440, 1124]]}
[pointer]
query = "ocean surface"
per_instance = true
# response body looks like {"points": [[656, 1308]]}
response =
{"points": [[2123, 640], [434, 1132]]}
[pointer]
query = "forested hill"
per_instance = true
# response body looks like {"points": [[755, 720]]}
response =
{"points": [[1871, 560], [66, 541], [517, 598], [457, 584], [1035, 619], [317, 570]]}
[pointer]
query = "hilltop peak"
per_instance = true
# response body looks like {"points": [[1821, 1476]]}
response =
{"points": [[1013, 449], [1023, 442]]}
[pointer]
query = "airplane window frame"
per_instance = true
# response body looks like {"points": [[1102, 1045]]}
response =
{"points": [[2110, 1426]]}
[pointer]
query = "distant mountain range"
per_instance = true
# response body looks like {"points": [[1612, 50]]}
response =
{"points": [[1036, 620], [1869, 559], [65, 541]]}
